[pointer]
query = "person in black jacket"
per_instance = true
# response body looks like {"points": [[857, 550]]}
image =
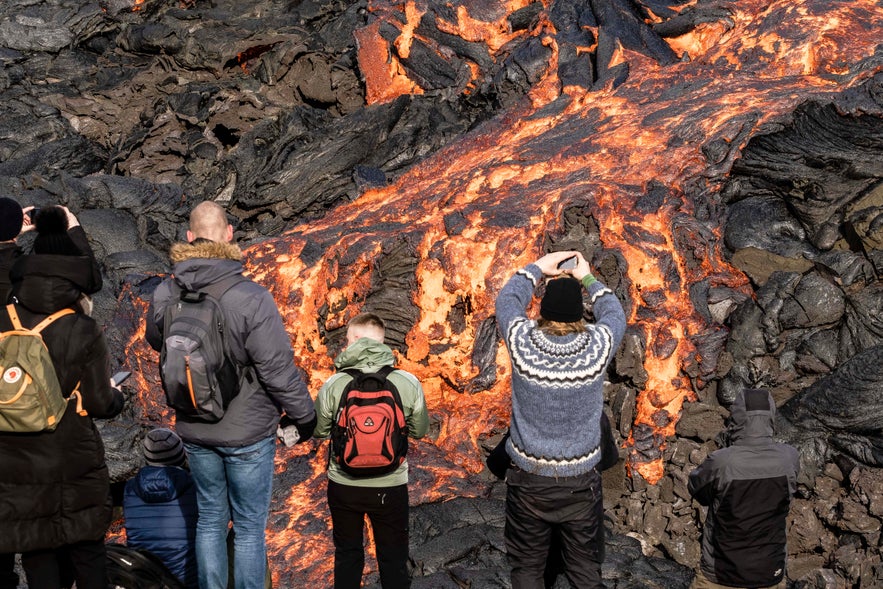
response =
{"points": [[55, 503], [232, 459], [747, 487], [11, 220]]}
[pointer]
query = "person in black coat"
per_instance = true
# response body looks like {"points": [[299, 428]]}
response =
{"points": [[55, 504]]}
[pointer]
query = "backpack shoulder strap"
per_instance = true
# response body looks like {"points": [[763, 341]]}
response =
{"points": [[13, 317], [16, 322], [46, 322], [383, 373], [217, 289]]}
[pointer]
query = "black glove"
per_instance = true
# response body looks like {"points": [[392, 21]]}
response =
{"points": [[292, 432]]}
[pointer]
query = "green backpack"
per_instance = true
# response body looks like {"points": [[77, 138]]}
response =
{"points": [[30, 396]]}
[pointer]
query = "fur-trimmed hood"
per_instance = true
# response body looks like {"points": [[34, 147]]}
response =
{"points": [[204, 262], [204, 248]]}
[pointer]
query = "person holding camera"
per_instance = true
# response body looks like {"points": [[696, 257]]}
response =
{"points": [[55, 503], [558, 367]]}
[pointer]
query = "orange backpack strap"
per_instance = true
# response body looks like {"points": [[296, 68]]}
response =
{"points": [[79, 396], [13, 316], [46, 322], [16, 322]]}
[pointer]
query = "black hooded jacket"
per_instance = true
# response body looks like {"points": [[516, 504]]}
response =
{"points": [[54, 486], [747, 487]]}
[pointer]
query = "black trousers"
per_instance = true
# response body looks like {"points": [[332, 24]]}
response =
{"points": [[572, 508], [8, 576], [86, 562], [387, 509]]}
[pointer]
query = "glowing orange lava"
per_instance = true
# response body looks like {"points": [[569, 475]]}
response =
{"points": [[479, 209]]}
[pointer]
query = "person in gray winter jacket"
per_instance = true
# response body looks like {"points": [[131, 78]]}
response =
{"points": [[232, 460], [747, 487]]}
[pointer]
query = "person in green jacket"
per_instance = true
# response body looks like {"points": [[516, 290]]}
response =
{"points": [[383, 498]]}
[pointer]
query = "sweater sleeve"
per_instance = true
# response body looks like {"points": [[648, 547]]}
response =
{"points": [[608, 311], [515, 296]]}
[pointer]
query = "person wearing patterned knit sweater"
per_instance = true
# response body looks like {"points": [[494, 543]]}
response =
{"points": [[558, 368]]}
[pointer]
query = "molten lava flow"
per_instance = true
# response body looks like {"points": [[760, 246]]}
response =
{"points": [[475, 212], [509, 182]]}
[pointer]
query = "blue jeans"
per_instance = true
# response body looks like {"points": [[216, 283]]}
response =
{"points": [[232, 484]]}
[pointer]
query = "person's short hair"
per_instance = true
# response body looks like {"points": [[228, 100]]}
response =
{"points": [[367, 320], [560, 327]]}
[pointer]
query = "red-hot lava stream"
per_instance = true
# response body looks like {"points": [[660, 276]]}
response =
{"points": [[509, 182]]}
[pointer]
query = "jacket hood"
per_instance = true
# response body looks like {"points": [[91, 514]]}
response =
{"points": [[752, 417], [161, 484], [204, 248], [204, 262], [45, 283], [365, 354]]}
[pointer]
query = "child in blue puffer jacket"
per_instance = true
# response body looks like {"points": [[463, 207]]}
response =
{"points": [[159, 505]]}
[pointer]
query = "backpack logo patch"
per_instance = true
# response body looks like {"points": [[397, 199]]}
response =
{"points": [[369, 436], [12, 375]]}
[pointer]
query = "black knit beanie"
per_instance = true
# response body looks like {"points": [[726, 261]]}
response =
{"points": [[11, 218], [563, 300], [52, 237]]}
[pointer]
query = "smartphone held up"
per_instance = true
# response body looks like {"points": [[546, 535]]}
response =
{"points": [[118, 378]]}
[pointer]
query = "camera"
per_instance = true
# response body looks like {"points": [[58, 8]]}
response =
{"points": [[568, 264]]}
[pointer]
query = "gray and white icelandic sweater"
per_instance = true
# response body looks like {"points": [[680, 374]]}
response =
{"points": [[557, 381]]}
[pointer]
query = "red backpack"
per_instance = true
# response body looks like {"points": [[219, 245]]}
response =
{"points": [[369, 436]]}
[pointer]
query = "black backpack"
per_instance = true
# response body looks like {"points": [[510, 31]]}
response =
{"points": [[131, 568], [369, 436], [198, 375]]}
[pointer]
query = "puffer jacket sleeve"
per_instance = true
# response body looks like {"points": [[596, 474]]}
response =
{"points": [[269, 350], [100, 400], [93, 281]]}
